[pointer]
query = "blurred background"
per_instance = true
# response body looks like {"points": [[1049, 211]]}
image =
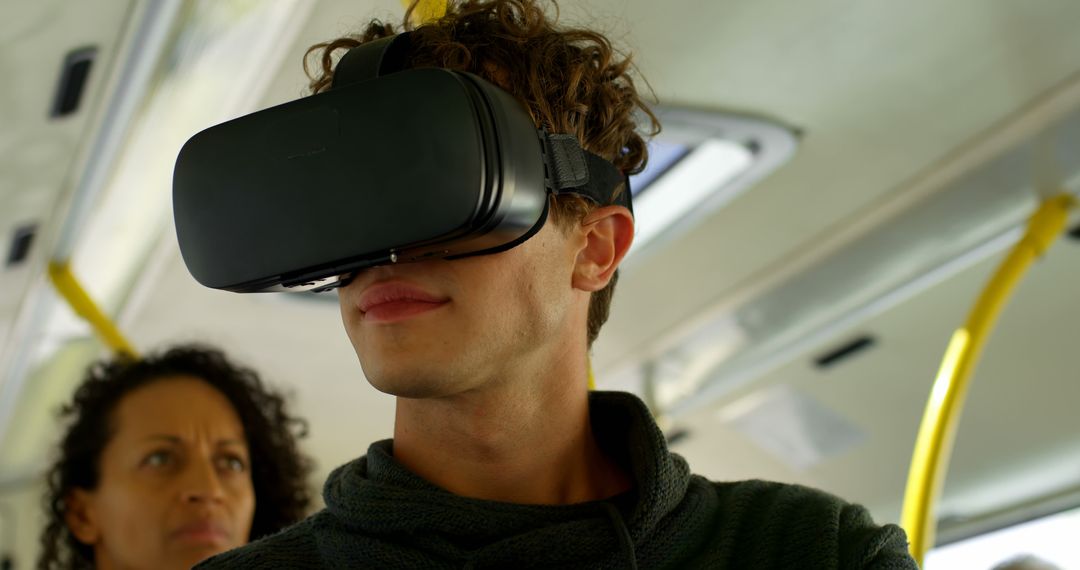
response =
{"points": [[835, 183]]}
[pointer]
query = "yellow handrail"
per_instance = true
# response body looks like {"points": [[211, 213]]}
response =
{"points": [[929, 462], [425, 10], [69, 288]]}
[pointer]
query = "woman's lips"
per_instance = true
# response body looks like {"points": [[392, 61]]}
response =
{"points": [[396, 301], [203, 532]]}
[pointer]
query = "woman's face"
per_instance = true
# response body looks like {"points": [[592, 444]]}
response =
{"points": [[175, 485]]}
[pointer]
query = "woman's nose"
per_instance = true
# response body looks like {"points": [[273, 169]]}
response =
{"points": [[201, 482]]}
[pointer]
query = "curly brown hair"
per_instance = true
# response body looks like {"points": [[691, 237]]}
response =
{"points": [[278, 470], [571, 80]]}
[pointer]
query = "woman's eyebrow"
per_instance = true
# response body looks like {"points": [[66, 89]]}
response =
{"points": [[169, 438], [176, 440]]}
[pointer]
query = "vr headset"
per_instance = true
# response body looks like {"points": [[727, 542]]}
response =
{"points": [[390, 165]]}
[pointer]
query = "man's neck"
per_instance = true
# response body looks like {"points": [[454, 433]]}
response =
{"points": [[526, 443]]}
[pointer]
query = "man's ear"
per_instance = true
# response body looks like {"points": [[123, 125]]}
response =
{"points": [[80, 517], [608, 233]]}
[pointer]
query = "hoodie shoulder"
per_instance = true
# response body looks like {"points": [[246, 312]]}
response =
{"points": [[769, 524], [293, 547]]}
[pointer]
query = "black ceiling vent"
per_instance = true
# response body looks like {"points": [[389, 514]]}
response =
{"points": [[848, 350], [21, 242], [72, 83]]}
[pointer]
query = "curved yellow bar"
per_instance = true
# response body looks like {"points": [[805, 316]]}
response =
{"points": [[425, 10], [929, 463], [70, 289]]}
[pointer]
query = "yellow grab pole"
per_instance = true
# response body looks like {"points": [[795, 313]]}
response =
{"points": [[425, 10], [70, 289], [937, 432], [592, 377]]}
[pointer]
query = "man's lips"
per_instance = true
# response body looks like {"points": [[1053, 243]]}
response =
{"points": [[395, 301], [203, 532]]}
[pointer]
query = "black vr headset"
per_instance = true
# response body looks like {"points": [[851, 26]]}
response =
{"points": [[390, 165]]}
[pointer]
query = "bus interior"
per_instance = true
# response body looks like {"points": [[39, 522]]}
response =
{"points": [[835, 184]]}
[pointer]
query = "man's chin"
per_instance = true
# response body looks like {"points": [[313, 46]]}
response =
{"points": [[408, 385], [411, 391]]}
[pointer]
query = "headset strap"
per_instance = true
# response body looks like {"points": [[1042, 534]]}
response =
{"points": [[570, 168], [567, 166], [372, 59]]}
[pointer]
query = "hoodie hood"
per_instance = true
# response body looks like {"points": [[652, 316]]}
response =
{"points": [[379, 498], [380, 515]]}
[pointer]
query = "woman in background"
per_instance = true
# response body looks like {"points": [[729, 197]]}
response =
{"points": [[170, 459]]}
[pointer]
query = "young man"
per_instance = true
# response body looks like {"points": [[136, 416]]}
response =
{"points": [[501, 457]]}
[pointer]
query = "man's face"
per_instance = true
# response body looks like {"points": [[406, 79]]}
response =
{"points": [[438, 328]]}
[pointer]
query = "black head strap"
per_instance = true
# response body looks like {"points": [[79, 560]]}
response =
{"points": [[570, 168], [372, 59]]}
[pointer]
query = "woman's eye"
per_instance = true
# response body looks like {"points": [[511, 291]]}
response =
{"points": [[158, 459], [233, 463]]}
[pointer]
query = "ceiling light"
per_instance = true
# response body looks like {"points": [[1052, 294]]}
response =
{"points": [[700, 162], [705, 171]]}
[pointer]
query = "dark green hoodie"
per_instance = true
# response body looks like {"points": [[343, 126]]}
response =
{"points": [[380, 515]]}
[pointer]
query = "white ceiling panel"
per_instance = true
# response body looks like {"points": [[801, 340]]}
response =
{"points": [[38, 153]]}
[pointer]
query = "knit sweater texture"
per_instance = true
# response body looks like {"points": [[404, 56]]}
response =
{"points": [[380, 515]]}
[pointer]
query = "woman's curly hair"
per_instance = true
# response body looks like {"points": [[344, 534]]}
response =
{"points": [[570, 80], [279, 470]]}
